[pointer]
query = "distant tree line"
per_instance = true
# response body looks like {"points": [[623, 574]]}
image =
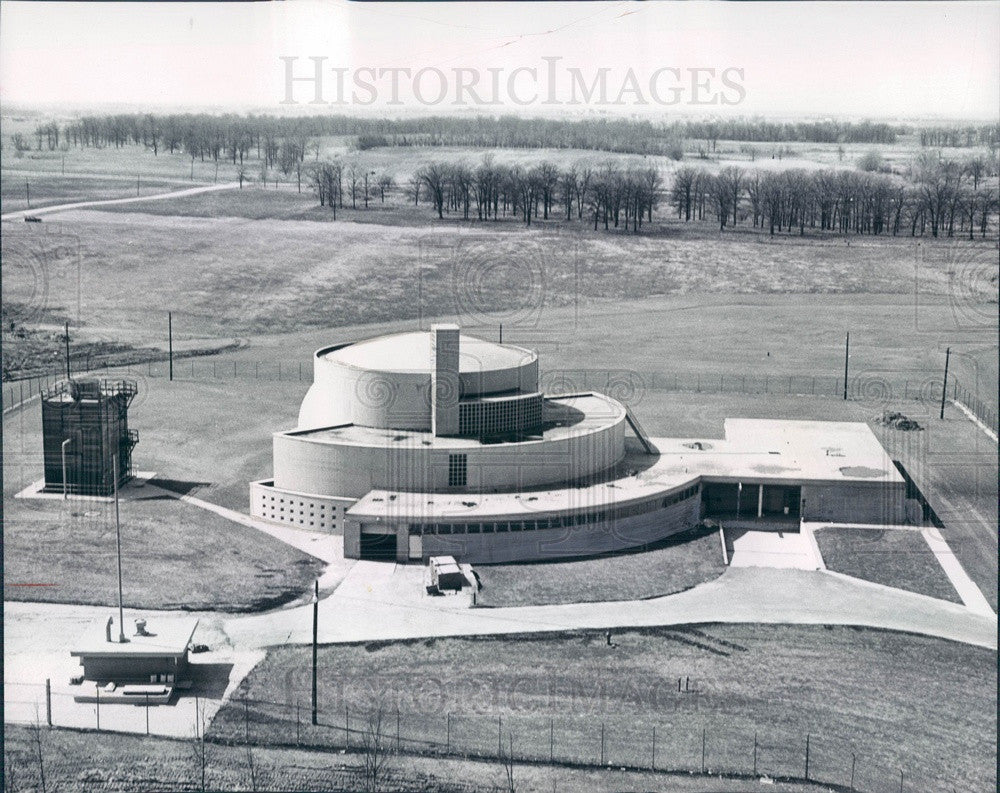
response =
{"points": [[213, 136], [987, 135], [940, 197]]}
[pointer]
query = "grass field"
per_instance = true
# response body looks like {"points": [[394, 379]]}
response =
{"points": [[47, 190], [678, 563], [133, 764], [170, 550], [895, 558], [897, 701]]}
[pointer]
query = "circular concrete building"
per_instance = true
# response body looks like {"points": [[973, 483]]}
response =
{"points": [[438, 444], [440, 413]]}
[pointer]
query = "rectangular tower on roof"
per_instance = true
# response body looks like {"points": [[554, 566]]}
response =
{"points": [[444, 379]]}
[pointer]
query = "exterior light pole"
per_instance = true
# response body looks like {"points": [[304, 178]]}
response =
{"points": [[944, 386], [118, 538], [315, 706], [65, 443]]}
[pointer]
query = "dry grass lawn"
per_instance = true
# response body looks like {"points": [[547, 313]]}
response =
{"points": [[133, 764], [673, 565], [895, 558], [897, 701], [172, 552]]}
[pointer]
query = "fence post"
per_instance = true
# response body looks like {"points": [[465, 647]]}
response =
{"points": [[298, 739], [807, 757], [900, 780], [347, 725], [602, 743], [397, 728], [755, 754], [703, 750], [147, 714], [652, 765], [97, 693], [499, 736], [854, 760], [552, 739], [48, 701], [447, 745]]}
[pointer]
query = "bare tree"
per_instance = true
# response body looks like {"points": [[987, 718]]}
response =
{"points": [[199, 748], [376, 751], [435, 177], [507, 761], [36, 739]]}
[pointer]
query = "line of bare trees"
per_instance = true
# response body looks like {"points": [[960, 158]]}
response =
{"points": [[611, 194], [214, 136], [940, 197]]}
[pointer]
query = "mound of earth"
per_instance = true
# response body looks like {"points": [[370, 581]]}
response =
{"points": [[898, 421]]}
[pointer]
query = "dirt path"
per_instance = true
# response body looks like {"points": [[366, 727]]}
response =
{"points": [[109, 201]]}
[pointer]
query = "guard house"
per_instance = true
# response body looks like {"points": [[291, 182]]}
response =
{"points": [[84, 430], [151, 662]]}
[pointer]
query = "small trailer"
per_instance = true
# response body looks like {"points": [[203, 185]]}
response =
{"points": [[445, 574]]}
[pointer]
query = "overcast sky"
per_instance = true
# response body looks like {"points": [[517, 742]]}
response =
{"points": [[896, 59]]}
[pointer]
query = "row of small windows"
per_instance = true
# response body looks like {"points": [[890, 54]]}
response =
{"points": [[555, 522], [500, 416], [270, 509]]}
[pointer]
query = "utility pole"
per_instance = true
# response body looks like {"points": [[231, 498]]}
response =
{"points": [[118, 536], [944, 386], [315, 638], [501, 333], [66, 337], [65, 484], [170, 342], [847, 358], [27, 190]]}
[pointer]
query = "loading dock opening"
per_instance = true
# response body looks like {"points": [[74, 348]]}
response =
{"points": [[378, 547], [746, 501]]}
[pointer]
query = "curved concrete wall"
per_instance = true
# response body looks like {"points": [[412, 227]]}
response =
{"points": [[343, 393], [542, 545], [350, 470]]}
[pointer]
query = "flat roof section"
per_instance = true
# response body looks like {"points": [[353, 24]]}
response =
{"points": [[755, 451], [411, 352], [167, 637], [565, 416]]}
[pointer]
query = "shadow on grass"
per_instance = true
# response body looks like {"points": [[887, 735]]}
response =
{"points": [[181, 486]]}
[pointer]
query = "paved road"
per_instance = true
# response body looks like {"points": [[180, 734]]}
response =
{"points": [[109, 201]]}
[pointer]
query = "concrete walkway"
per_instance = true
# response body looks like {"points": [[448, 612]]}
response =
{"points": [[19, 215], [971, 595], [787, 549]]}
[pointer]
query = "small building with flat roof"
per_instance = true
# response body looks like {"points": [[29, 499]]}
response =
{"points": [[158, 655]]}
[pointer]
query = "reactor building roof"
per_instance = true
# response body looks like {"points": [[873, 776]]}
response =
{"points": [[411, 352]]}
